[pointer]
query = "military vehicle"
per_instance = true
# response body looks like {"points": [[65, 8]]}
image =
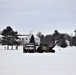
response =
{"points": [[30, 47], [46, 48]]}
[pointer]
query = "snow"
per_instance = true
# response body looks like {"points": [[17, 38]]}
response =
{"points": [[15, 62]]}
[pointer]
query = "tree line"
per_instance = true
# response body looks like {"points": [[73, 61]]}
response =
{"points": [[10, 37], [60, 38]]}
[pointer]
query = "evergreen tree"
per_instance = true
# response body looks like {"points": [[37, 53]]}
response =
{"points": [[9, 37], [62, 41], [41, 36], [32, 40], [56, 35]]}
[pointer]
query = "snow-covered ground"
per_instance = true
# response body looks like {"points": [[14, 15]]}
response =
{"points": [[15, 62]]}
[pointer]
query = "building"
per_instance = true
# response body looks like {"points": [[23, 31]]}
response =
{"points": [[26, 39], [0, 38]]}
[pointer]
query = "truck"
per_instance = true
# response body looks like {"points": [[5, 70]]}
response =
{"points": [[32, 47], [29, 47]]}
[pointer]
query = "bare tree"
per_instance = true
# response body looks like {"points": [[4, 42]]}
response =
{"points": [[39, 34]]}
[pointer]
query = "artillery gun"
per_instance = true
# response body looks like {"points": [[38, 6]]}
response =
{"points": [[32, 47], [46, 48]]}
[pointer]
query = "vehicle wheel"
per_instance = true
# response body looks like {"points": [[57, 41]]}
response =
{"points": [[52, 51], [24, 51], [31, 51], [40, 51]]}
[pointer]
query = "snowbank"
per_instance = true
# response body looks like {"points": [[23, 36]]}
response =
{"points": [[15, 62]]}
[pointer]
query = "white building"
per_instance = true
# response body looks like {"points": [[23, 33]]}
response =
{"points": [[0, 38], [26, 39]]}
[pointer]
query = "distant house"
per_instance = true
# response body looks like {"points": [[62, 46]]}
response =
{"points": [[26, 39], [0, 38]]}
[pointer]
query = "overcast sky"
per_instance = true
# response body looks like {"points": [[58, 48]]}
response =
{"points": [[38, 15]]}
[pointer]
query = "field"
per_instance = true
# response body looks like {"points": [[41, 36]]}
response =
{"points": [[15, 62]]}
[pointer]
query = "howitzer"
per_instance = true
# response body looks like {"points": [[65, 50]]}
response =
{"points": [[46, 48]]}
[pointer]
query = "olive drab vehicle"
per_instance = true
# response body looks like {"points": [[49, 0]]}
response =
{"points": [[46, 48], [30, 47]]}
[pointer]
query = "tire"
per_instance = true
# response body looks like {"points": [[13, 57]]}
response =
{"points": [[52, 51], [24, 51], [40, 51], [31, 51]]}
